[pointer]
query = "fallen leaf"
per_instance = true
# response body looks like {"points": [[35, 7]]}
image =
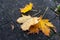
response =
{"points": [[26, 25], [27, 8], [27, 21], [43, 25], [23, 18], [12, 26]]}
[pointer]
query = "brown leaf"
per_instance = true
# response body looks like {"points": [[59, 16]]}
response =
{"points": [[33, 29]]}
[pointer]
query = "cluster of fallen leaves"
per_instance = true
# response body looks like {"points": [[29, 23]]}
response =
{"points": [[34, 24]]}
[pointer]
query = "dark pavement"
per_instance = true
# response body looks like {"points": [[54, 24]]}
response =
{"points": [[9, 12]]}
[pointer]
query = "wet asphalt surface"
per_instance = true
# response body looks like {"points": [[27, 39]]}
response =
{"points": [[9, 12]]}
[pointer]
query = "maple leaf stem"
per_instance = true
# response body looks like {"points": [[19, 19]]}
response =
{"points": [[45, 11]]}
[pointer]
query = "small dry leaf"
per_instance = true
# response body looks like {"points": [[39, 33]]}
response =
{"points": [[12, 26], [27, 8]]}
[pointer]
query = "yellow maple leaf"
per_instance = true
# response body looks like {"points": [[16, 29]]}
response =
{"points": [[27, 8], [43, 25]]}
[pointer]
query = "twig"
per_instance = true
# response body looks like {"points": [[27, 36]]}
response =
{"points": [[45, 11], [54, 11], [37, 13]]}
